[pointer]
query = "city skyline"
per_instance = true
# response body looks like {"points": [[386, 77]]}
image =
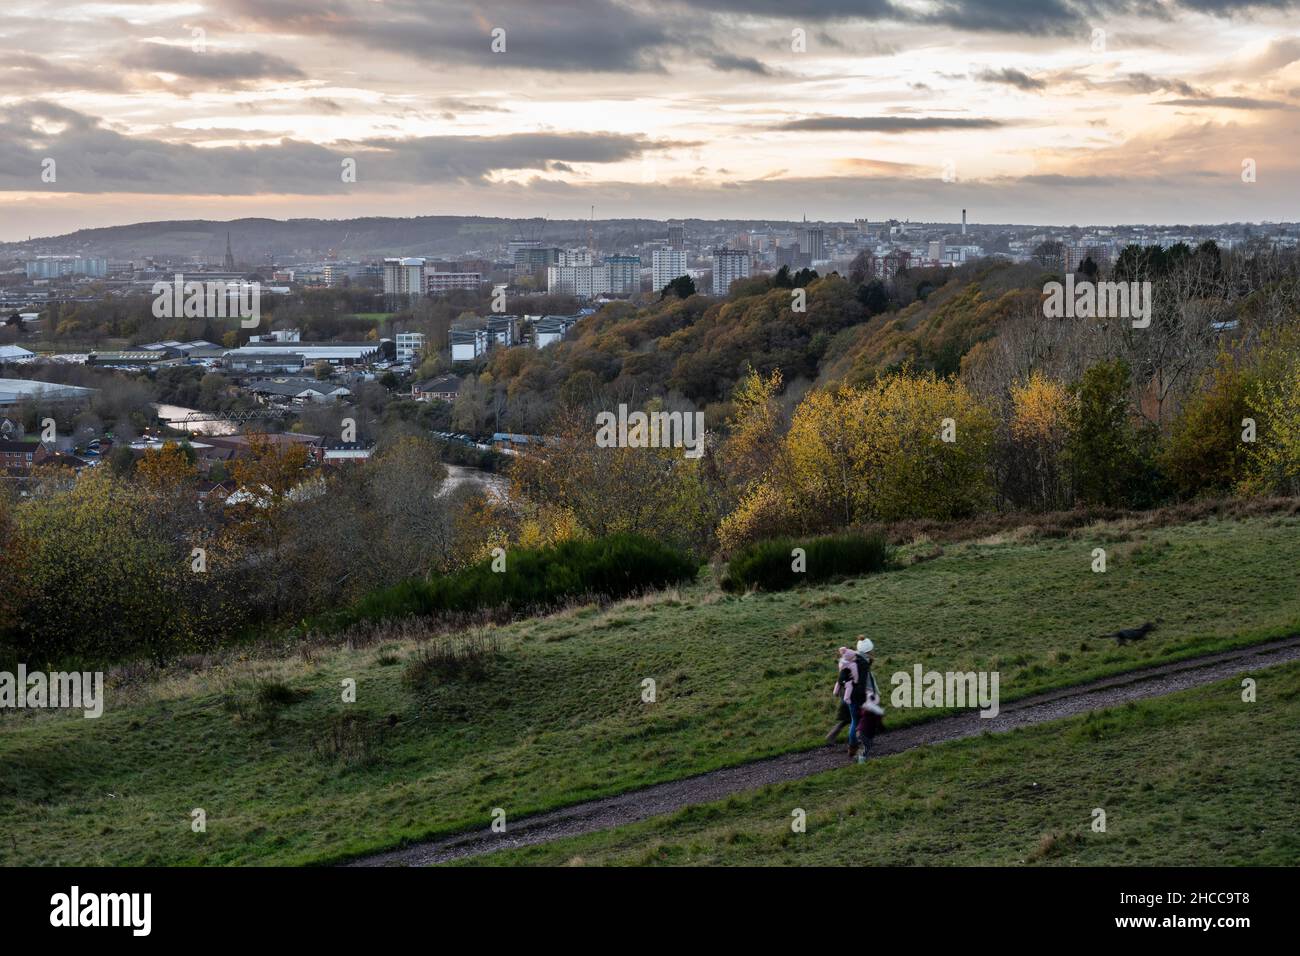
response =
{"points": [[715, 109]]}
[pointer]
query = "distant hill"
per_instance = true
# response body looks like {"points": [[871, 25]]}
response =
{"points": [[260, 240]]}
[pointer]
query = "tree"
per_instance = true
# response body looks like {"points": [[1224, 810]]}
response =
{"points": [[1273, 465], [167, 467], [1105, 450], [1034, 443], [874, 297], [683, 287], [754, 431], [657, 492], [1205, 453], [14, 581], [106, 579], [905, 446]]}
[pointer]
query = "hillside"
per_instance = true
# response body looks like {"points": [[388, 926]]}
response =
{"points": [[1185, 780], [254, 239], [287, 773]]}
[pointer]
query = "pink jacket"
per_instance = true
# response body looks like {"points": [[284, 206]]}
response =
{"points": [[844, 689]]}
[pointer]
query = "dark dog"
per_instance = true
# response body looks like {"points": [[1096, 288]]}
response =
{"points": [[1132, 633]]}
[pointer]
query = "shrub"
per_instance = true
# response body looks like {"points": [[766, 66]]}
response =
{"points": [[769, 565], [615, 566], [452, 657], [350, 740], [261, 700]]}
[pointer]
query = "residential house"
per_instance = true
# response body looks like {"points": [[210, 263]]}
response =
{"points": [[444, 388], [22, 455]]}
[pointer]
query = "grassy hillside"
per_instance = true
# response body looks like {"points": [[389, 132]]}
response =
{"points": [[1196, 778], [287, 772]]}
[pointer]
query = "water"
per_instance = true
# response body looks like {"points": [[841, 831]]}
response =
{"points": [[493, 484], [173, 412]]}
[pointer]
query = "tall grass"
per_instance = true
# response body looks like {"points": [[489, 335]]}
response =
{"points": [[772, 565]]}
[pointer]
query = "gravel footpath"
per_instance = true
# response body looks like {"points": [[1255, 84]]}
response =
{"points": [[669, 797]]}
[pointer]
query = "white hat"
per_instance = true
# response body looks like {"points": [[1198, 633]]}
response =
{"points": [[865, 646]]}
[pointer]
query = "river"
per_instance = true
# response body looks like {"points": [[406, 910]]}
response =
{"points": [[173, 412], [495, 485]]}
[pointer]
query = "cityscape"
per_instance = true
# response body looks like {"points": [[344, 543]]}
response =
{"points": [[838, 439]]}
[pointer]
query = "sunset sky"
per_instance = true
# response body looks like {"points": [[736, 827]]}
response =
{"points": [[230, 108]]}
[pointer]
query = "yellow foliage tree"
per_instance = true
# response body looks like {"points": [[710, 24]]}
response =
{"points": [[1039, 428], [906, 446], [1273, 459]]}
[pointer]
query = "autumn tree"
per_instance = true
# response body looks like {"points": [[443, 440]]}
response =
{"points": [[754, 431], [658, 492], [1205, 453], [906, 446], [1273, 462], [106, 579], [1033, 442]]}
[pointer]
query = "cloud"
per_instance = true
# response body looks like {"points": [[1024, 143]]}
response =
{"points": [[884, 124], [91, 158], [1230, 102], [1011, 77], [746, 64], [590, 36], [235, 66], [26, 71]]}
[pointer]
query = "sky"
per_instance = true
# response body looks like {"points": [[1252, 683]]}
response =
{"points": [[1065, 112]]}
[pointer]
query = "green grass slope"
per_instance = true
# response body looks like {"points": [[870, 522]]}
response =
{"points": [[1196, 778], [288, 773]]}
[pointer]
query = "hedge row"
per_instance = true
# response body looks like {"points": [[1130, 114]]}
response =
{"points": [[534, 579], [773, 565]]}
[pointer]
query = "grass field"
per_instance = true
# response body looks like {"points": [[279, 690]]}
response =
{"points": [[1196, 778], [288, 773]]}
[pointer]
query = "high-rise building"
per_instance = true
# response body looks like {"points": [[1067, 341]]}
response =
{"points": [[624, 274], [584, 281], [812, 243], [667, 265], [728, 266], [404, 277], [531, 258], [676, 236], [574, 257], [52, 267]]}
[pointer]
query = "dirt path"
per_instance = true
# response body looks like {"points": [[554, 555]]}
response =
{"points": [[668, 797]]}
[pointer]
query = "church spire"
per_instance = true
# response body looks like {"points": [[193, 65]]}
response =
{"points": [[230, 256]]}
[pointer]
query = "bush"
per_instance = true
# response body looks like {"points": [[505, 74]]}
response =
{"points": [[350, 740], [769, 565], [260, 701], [534, 578], [450, 657]]}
